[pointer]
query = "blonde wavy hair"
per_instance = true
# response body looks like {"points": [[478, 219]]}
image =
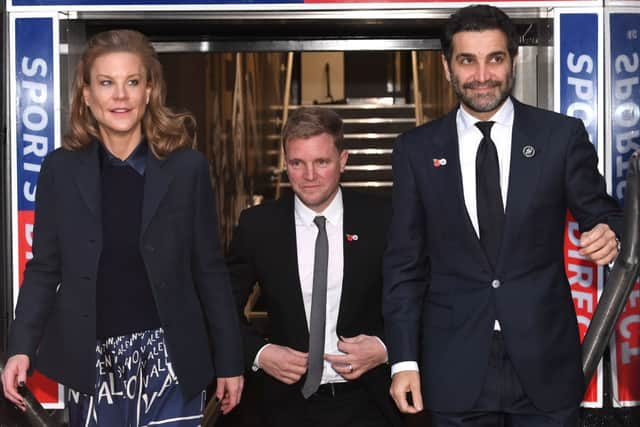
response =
{"points": [[165, 130]]}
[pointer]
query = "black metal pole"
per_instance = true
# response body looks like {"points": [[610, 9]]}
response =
{"points": [[6, 306], [620, 280], [35, 413]]}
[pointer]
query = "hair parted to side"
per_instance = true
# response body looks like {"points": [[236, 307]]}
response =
{"points": [[165, 130], [306, 122], [478, 17]]}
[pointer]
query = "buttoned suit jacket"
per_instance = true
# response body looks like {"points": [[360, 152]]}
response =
{"points": [[55, 322], [441, 294], [264, 250]]}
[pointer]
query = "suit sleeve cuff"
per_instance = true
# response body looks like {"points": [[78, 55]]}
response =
{"points": [[256, 362], [404, 366], [613, 261]]}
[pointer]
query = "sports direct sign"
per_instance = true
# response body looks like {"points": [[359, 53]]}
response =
{"points": [[624, 117], [34, 131], [579, 92]]}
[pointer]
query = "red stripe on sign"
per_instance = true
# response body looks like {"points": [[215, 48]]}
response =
{"points": [[627, 337], [25, 240], [583, 280], [43, 388], [422, 1]]}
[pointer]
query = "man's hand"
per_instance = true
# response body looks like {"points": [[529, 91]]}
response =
{"points": [[402, 383], [283, 363], [363, 353], [14, 374], [228, 392], [599, 244]]}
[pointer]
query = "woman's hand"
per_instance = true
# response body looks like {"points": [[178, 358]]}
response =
{"points": [[14, 374]]}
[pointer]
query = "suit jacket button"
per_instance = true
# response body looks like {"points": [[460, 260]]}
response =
{"points": [[495, 284], [150, 248]]}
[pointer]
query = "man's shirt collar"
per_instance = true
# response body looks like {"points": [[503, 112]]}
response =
{"points": [[333, 213], [502, 117]]}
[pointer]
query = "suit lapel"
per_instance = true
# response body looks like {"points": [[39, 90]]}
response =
{"points": [[524, 172], [87, 179], [286, 244], [156, 184], [351, 218], [450, 183]]}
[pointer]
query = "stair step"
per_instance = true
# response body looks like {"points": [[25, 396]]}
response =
{"points": [[367, 108], [377, 184], [347, 136], [378, 127], [377, 120], [369, 151], [368, 167], [370, 131]]}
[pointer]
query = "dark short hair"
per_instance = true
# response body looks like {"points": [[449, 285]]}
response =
{"points": [[306, 122], [479, 18]]}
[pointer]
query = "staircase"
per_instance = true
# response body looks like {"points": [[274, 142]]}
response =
{"points": [[369, 133]]}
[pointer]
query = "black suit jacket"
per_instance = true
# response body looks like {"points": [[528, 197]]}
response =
{"points": [[440, 304], [56, 325], [264, 250]]}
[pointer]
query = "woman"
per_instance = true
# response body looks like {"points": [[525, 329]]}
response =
{"points": [[127, 287]]}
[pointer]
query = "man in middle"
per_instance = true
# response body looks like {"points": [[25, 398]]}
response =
{"points": [[317, 255]]}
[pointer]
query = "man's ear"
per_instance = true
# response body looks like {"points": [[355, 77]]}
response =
{"points": [[445, 66], [344, 156]]}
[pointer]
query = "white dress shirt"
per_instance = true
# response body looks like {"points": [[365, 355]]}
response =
{"points": [[469, 137], [306, 232]]}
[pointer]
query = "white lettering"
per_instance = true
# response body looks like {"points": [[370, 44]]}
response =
{"points": [[32, 70], [584, 61]]}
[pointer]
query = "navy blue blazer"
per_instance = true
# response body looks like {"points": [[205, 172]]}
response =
{"points": [[440, 298], [55, 322]]}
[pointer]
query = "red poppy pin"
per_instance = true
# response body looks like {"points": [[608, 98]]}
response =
{"points": [[352, 237], [439, 162]]}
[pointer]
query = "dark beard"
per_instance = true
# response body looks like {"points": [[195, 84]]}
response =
{"points": [[486, 103]]}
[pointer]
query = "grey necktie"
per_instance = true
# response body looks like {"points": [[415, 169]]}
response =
{"points": [[318, 310]]}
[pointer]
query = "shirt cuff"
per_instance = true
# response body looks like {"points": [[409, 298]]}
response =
{"points": [[613, 261], [386, 354], [404, 366], [256, 362]]}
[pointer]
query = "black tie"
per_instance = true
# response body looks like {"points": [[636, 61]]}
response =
{"points": [[488, 194], [317, 317]]}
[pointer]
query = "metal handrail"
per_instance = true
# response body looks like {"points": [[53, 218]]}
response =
{"points": [[35, 414], [620, 280], [285, 114], [417, 94]]}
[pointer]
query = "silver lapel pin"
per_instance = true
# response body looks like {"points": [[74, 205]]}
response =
{"points": [[528, 151]]}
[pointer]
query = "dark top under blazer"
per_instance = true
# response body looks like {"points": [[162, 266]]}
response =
{"points": [[264, 250], [439, 302], [56, 326]]}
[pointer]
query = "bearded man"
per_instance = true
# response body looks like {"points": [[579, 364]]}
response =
{"points": [[478, 312]]}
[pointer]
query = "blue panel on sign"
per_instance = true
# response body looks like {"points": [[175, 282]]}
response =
{"points": [[579, 69], [625, 95], [35, 119], [142, 2]]}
